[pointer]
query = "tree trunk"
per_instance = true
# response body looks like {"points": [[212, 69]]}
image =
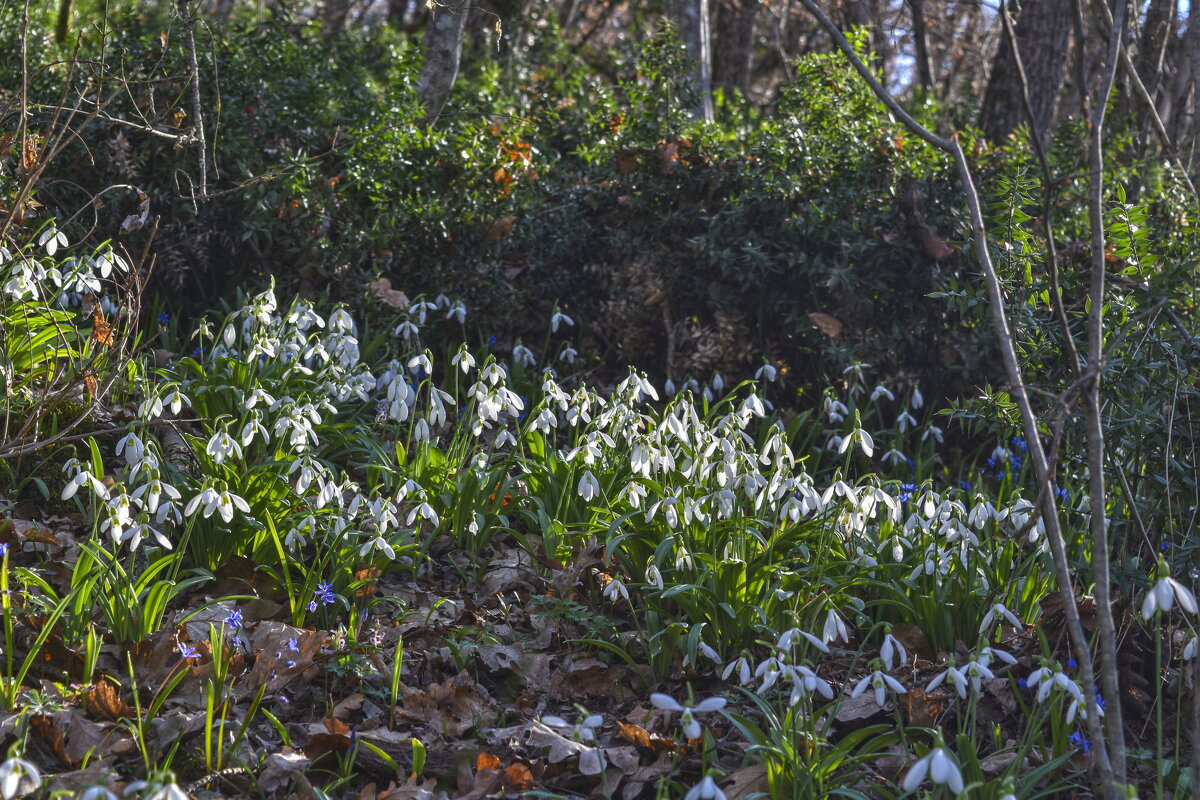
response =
{"points": [[1152, 43], [691, 17], [1042, 33], [734, 50], [921, 45], [443, 48]]}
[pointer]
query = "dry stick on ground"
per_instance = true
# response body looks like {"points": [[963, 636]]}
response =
{"points": [[1054, 534], [1094, 420]]}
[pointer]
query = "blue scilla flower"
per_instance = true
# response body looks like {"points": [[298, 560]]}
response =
{"points": [[906, 491], [1080, 743], [163, 318], [1019, 443], [966, 487]]}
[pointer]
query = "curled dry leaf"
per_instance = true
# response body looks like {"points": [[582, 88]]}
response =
{"points": [[280, 769], [830, 326], [389, 296]]}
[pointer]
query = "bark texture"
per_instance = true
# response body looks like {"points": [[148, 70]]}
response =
{"points": [[1043, 34], [691, 18], [443, 48]]}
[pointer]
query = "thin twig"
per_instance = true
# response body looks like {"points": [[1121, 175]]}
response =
{"points": [[1054, 534]]}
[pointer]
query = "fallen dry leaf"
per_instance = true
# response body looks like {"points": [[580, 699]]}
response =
{"points": [[830, 326], [389, 296]]}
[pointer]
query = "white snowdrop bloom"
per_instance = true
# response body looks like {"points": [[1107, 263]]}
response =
{"points": [[934, 431], [835, 628], [424, 510], [753, 405], [420, 363], [406, 330], [997, 612], [463, 360], [457, 311], [740, 666], [788, 638], [892, 651], [766, 372], [377, 543], [505, 438], [717, 383], [654, 576], [882, 391], [150, 493], [1164, 593], [523, 356], [940, 767], [635, 493], [706, 789], [421, 309], [918, 399], [894, 457], [251, 429], [341, 321], [669, 388], [96, 792], [982, 513], [221, 446], [691, 727], [559, 318], [1190, 650], [18, 777], [952, 676], [805, 682], [51, 239], [977, 670], [615, 589], [905, 421], [880, 682], [584, 730], [862, 438], [259, 395], [545, 421], [85, 478], [176, 401]]}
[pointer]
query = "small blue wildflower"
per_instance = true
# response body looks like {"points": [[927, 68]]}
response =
{"points": [[966, 487], [1016, 462], [324, 593], [187, 652], [164, 318], [1021, 682], [291, 665], [1019, 443], [1162, 548], [492, 340], [1080, 743], [1063, 495], [3, 550], [991, 463], [911, 464], [1072, 664], [234, 620], [312, 606], [906, 491], [1100, 699], [293, 645]]}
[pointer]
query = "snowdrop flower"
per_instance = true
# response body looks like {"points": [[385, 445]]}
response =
{"points": [[458, 311], [835, 410], [862, 437], [918, 399], [654, 576], [568, 354], [766, 372], [691, 728], [905, 421], [994, 614], [892, 649], [583, 730], [1162, 595], [523, 356], [406, 330], [706, 789], [805, 682], [894, 457], [96, 792], [880, 682], [952, 676], [463, 360], [740, 665], [82, 478], [834, 628], [559, 318], [787, 637], [152, 491], [51, 239], [882, 391], [1189, 651], [221, 446], [17, 774], [589, 487], [940, 767], [934, 431], [615, 589]]}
